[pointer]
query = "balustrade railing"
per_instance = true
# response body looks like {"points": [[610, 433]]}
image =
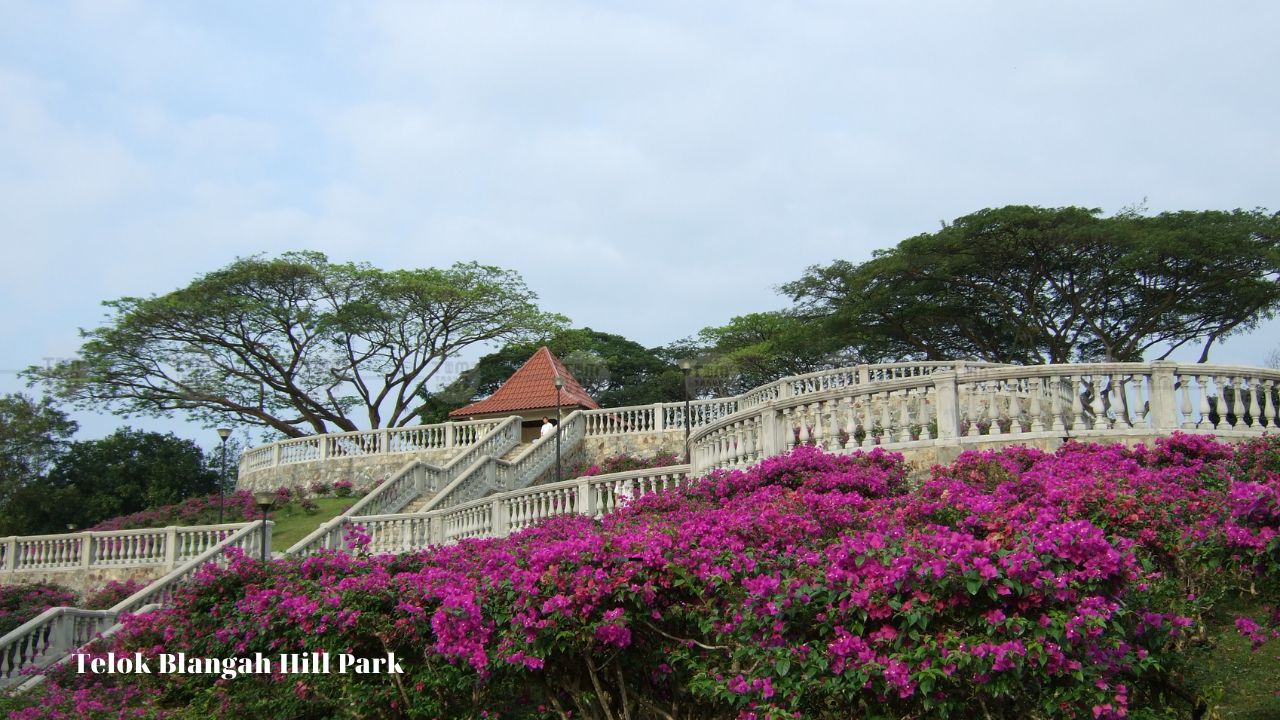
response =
{"points": [[899, 405], [497, 515], [414, 479], [53, 634], [113, 548], [384, 441]]}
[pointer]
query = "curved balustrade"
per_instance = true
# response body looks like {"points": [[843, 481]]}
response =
{"points": [[114, 548], [53, 634], [958, 404], [363, 443]]}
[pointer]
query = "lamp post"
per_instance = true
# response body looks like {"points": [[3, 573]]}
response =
{"points": [[264, 500], [223, 433], [686, 365], [559, 381]]}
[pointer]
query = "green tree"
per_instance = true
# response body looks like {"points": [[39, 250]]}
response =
{"points": [[1027, 285], [612, 369], [758, 348], [33, 433], [95, 480], [295, 343]]}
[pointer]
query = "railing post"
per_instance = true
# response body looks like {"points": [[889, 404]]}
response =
{"points": [[659, 422], [10, 553], [448, 434], [586, 504], [275, 455], [324, 446], [1164, 401], [435, 530], [498, 519], [860, 373], [384, 441], [86, 549], [944, 384], [171, 547], [769, 442]]}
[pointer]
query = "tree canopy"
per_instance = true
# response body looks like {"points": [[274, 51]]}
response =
{"points": [[95, 480], [33, 434], [294, 343], [1026, 285], [614, 370]]}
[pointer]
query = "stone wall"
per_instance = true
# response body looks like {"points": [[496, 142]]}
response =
{"points": [[599, 447], [85, 581], [363, 471]]}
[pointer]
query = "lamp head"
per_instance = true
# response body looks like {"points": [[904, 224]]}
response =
{"points": [[686, 365], [559, 382], [264, 499], [224, 433]]}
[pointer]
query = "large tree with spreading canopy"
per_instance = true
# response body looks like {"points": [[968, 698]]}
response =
{"points": [[1029, 285], [294, 343]]}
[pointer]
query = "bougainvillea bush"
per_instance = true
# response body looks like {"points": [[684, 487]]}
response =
{"points": [[1014, 584]]}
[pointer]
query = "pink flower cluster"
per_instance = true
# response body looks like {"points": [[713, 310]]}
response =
{"points": [[1020, 583]]}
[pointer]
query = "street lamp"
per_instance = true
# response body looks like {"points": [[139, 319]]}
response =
{"points": [[223, 433], [264, 500], [559, 381], [686, 365]]}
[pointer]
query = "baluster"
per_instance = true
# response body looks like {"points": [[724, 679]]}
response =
{"points": [[1205, 421], [904, 414], [1144, 386], [1240, 407], [1037, 409], [1269, 403], [815, 432], [972, 415], [850, 422], [1015, 407], [1097, 405], [886, 420], [993, 408], [868, 414], [1120, 402], [1255, 410], [925, 414]]}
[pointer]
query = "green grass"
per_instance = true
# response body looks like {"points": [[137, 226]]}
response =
{"points": [[1240, 683], [293, 523]]}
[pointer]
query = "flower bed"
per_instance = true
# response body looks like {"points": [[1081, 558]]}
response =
{"points": [[1014, 584]]}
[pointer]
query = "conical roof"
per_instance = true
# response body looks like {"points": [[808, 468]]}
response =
{"points": [[532, 387]]}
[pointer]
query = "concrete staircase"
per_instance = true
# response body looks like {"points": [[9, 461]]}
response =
{"points": [[419, 503]]}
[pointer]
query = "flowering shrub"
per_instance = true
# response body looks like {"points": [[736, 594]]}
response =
{"points": [[1014, 584], [113, 592], [20, 603], [623, 462], [342, 488]]}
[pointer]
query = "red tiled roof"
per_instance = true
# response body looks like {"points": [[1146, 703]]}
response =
{"points": [[532, 387]]}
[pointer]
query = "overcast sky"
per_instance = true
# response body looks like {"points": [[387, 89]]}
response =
{"points": [[650, 168]]}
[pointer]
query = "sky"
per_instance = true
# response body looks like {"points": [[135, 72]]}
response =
{"points": [[649, 168]]}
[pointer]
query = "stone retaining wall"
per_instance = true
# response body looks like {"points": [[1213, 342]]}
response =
{"points": [[84, 581], [362, 471]]}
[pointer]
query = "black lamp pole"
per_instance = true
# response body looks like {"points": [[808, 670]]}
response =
{"points": [[685, 366], [223, 433], [559, 385]]}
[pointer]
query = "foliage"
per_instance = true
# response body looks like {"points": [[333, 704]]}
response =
{"points": [[20, 603], [615, 371], [294, 343], [1025, 284], [1016, 584], [622, 462], [758, 348], [32, 435], [125, 472], [111, 594]]}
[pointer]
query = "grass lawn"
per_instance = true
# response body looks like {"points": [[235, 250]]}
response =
{"points": [[293, 524], [1240, 684]]}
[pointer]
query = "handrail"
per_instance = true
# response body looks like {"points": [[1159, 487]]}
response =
{"points": [[110, 548], [416, 478], [494, 474], [360, 443], [501, 513], [57, 631]]}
